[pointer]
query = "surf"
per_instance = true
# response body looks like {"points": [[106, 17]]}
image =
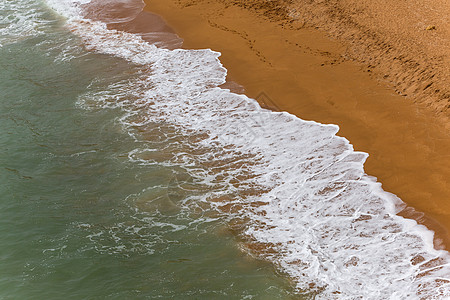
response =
{"points": [[294, 191]]}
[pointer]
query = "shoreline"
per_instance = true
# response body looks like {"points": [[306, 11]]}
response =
{"points": [[302, 71], [175, 184]]}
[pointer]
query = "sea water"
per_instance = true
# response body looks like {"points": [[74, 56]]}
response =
{"points": [[78, 218], [127, 172]]}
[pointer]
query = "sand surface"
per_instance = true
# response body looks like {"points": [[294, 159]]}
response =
{"points": [[407, 42], [324, 68]]}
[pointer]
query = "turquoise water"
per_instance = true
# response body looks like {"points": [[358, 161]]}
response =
{"points": [[127, 172], [78, 218]]}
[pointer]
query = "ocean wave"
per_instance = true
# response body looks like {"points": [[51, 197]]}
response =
{"points": [[300, 191], [20, 20]]}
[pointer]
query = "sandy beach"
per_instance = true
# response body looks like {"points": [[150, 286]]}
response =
{"points": [[325, 68], [224, 149]]}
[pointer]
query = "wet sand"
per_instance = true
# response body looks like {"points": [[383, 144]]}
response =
{"points": [[305, 72]]}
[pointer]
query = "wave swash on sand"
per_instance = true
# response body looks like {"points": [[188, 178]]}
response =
{"points": [[299, 190]]}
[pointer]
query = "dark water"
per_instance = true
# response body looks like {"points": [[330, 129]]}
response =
{"points": [[72, 223]]}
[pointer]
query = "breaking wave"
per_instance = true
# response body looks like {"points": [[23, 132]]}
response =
{"points": [[294, 191]]}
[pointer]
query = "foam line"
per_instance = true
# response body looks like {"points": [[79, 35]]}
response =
{"points": [[301, 189]]}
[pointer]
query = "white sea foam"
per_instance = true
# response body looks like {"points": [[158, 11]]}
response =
{"points": [[19, 20], [306, 196]]}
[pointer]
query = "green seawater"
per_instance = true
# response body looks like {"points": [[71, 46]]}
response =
{"points": [[72, 222]]}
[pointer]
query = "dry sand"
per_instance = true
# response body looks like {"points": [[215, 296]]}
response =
{"points": [[337, 66], [407, 42]]}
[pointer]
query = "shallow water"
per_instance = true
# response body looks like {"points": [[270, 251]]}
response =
{"points": [[129, 173], [70, 221]]}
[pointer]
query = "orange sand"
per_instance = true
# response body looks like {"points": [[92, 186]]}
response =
{"points": [[308, 74]]}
